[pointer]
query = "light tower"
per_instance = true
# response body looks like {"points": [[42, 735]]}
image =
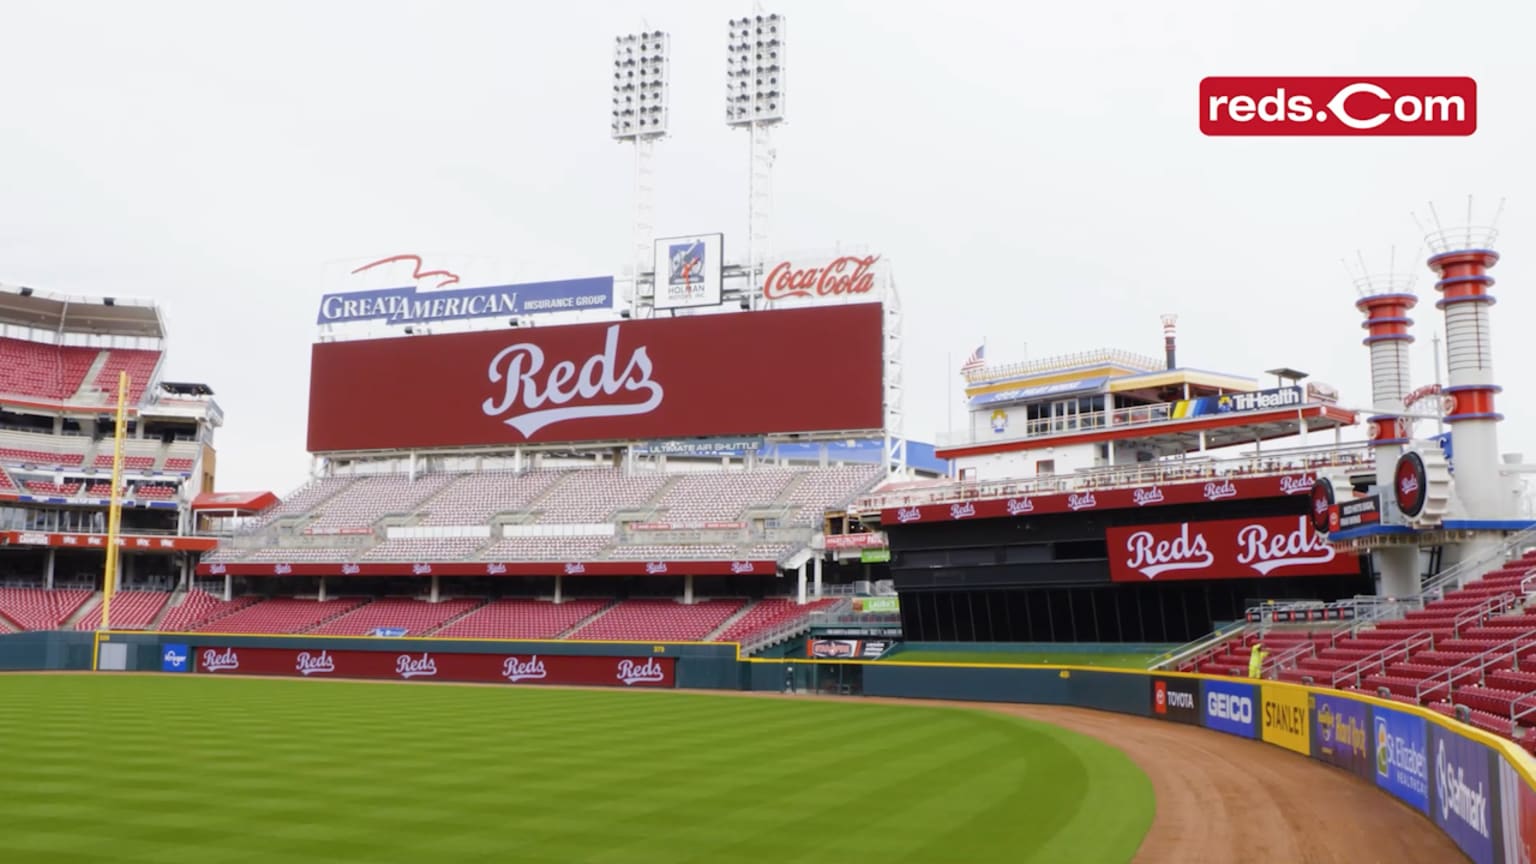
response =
{"points": [[1461, 257], [754, 100], [639, 116], [1386, 299]]}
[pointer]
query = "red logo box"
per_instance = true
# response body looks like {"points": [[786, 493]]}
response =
{"points": [[1338, 106]]}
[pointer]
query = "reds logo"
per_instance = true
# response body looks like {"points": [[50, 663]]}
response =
{"points": [[570, 388]]}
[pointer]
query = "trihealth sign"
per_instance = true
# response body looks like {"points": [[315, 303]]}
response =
{"points": [[1286, 722]]}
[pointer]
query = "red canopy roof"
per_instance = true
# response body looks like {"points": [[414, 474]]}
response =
{"points": [[243, 502]]}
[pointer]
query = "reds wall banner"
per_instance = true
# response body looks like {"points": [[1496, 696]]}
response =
{"points": [[439, 666], [727, 374], [497, 568], [1269, 546]]}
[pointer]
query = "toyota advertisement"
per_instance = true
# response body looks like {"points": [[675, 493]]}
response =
{"points": [[1176, 699], [1231, 707], [1270, 546], [1402, 756], [702, 375], [439, 666]]}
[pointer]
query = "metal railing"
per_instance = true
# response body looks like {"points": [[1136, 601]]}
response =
{"points": [[791, 629], [1098, 357], [1400, 650], [1198, 650], [1477, 665], [1278, 463]]}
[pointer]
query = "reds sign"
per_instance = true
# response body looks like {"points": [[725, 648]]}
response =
{"points": [[659, 378], [1224, 549]]}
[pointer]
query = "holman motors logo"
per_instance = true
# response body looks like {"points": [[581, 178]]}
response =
{"points": [[1152, 557], [219, 661], [1218, 491], [1082, 502], [411, 667], [1262, 551], [519, 670], [908, 514], [307, 664], [1018, 506], [999, 421], [527, 385], [1296, 485], [961, 511], [1143, 497], [631, 672]]}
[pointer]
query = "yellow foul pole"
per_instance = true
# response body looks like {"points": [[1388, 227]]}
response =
{"points": [[115, 508]]}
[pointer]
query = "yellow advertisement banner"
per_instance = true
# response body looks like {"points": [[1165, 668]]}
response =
{"points": [[1287, 722]]}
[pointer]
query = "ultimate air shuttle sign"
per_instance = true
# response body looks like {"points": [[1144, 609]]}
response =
{"points": [[408, 305]]}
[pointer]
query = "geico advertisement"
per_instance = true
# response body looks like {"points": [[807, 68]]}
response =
{"points": [[1231, 707], [1286, 721]]}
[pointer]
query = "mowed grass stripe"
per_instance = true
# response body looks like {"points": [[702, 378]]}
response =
{"points": [[199, 769]]}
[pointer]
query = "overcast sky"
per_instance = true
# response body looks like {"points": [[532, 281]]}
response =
{"points": [[1034, 172]]}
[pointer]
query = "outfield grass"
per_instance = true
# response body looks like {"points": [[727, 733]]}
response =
{"points": [[223, 770], [1041, 658]]}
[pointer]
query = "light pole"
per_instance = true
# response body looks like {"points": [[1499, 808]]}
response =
{"points": [[754, 101], [640, 66]]}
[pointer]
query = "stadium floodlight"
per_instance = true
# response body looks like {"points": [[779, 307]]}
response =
{"points": [[639, 116], [640, 62], [754, 100]]}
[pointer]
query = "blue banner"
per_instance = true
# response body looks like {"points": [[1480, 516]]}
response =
{"points": [[1229, 707], [173, 658], [1020, 394], [1402, 757], [408, 306], [1463, 802], [1343, 734]]}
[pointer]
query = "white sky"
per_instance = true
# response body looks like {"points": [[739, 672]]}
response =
{"points": [[1034, 172]]}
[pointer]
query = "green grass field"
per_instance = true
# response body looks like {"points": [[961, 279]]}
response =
{"points": [[220, 770], [1042, 658]]}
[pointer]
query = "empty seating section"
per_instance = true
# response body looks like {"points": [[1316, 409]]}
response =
{"points": [[768, 551], [1460, 650], [373, 497], [306, 498], [177, 463], [30, 456], [199, 608], [473, 499], [6, 483], [659, 619], [153, 492], [130, 463], [769, 614], [416, 617], [131, 610], [138, 363], [563, 549], [44, 487], [304, 555], [521, 619], [37, 609], [281, 615], [671, 552], [825, 488], [43, 371], [584, 497], [425, 549], [719, 496]]}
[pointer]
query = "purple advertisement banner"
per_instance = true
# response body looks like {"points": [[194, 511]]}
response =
{"points": [[1342, 735], [1463, 799]]}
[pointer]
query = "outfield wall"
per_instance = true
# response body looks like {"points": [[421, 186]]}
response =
{"points": [[1476, 787]]}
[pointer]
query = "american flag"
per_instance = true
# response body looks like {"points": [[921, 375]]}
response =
{"points": [[977, 359]]}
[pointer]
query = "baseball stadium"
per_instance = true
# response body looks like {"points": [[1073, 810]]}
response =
{"points": [[592, 600]]}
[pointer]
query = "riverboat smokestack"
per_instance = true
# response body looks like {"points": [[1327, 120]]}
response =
{"points": [[1168, 339]]}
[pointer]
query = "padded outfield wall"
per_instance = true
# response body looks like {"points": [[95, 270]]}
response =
{"points": [[1477, 788]]}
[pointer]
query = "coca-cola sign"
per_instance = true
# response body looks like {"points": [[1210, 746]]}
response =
{"points": [[384, 664], [1268, 546], [848, 276], [659, 378]]}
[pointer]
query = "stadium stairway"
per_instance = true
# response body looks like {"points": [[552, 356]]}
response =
{"points": [[597, 613], [87, 388], [731, 621], [460, 616]]}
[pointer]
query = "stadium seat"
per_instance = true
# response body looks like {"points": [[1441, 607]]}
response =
{"points": [[131, 610], [659, 620], [521, 619], [282, 615], [769, 614], [415, 617], [40, 609]]}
